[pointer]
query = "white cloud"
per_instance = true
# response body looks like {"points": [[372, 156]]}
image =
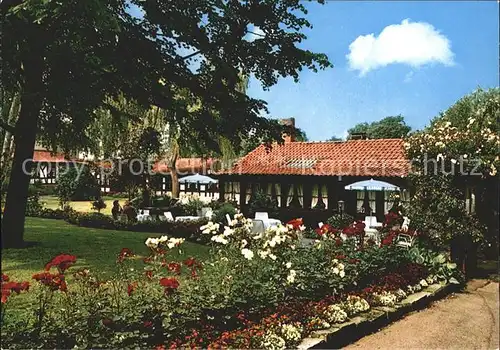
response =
{"points": [[411, 43]]}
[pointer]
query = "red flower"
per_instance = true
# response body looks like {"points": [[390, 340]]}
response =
{"points": [[149, 274], [147, 260], [174, 267], [5, 278], [124, 253], [5, 295], [296, 223], [355, 229], [325, 229], [189, 262], [194, 274], [170, 283], [9, 287], [131, 287], [147, 324], [53, 281], [62, 262], [340, 257]]}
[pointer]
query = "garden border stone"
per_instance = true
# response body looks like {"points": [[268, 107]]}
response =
{"points": [[371, 321]]}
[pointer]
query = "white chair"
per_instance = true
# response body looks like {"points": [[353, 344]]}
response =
{"points": [[258, 226], [406, 224], [261, 215], [145, 212], [405, 241], [228, 218], [167, 216], [371, 221]]}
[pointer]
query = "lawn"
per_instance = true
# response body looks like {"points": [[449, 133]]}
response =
{"points": [[94, 248], [52, 202]]}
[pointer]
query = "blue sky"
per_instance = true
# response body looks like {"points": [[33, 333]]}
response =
{"points": [[454, 56]]}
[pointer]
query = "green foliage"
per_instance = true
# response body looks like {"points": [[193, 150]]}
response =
{"points": [[438, 209], [162, 201], [221, 211], [386, 128], [340, 221], [98, 205], [261, 201], [437, 263], [34, 205], [74, 186]]}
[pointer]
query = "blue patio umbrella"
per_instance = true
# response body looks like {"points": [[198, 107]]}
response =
{"points": [[197, 178], [372, 185]]}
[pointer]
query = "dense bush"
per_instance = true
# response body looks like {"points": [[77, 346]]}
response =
{"points": [[162, 201], [71, 187], [261, 201], [98, 205], [33, 205], [221, 211], [340, 221]]}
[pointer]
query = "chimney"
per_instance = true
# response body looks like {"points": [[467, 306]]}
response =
{"points": [[359, 136], [288, 122]]}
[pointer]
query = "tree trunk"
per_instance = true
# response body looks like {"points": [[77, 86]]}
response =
{"points": [[175, 183], [8, 137], [25, 136]]}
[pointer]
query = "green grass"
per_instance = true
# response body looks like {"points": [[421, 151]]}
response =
{"points": [[52, 202], [95, 249]]}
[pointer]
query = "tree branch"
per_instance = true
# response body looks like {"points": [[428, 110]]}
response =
{"points": [[191, 55], [8, 127]]}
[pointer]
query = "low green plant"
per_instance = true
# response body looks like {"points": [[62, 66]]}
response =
{"points": [[221, 212], [98, 205], [72, 186], [33, 205], [261, 201], [339, 221]]}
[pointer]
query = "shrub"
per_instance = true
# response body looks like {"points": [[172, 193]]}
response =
{"points": [[163, 201], [221, 211], [340, 221], [98, 205], [33, 205], [94, 220], [261, 201], [72, 187]]}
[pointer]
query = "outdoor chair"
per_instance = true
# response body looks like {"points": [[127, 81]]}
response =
{"points": [[145, 212], [167, 216], [406, 223], [258, 226], [320, 224], [261, 215], [405, 241]]}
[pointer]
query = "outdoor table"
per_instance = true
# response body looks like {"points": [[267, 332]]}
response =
{"points": [[270, 222], [187, 218], [144, 217]]}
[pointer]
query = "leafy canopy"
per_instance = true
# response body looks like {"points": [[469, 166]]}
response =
{"points": [[387, 128]]}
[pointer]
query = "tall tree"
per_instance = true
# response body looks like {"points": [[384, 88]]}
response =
{"points": [[67, 56], [387, 128]]}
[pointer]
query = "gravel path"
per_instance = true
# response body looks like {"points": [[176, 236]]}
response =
{"points": [[467, 320]]}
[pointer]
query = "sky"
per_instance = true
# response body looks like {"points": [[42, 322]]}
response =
{"points": [[414, 58]]}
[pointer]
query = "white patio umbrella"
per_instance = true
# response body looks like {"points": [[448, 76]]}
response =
{"points": [[197, 178], [372, 185]]}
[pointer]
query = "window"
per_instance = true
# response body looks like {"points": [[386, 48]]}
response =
{"points": [[361, 200], [274, 191], [295, 198], [252, 189], [232, 191], [470, 200], [319, 197]]}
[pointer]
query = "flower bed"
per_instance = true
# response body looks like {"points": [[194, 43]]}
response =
{"points": [[254, 291]]}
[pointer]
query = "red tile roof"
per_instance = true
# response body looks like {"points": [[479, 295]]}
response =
{"points": [[183, 165], [382, 157]]}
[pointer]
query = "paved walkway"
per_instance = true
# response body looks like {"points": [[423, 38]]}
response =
{"points": [[462, 321]]}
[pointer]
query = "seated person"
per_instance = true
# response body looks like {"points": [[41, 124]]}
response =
{"points": [[130, 211], [116, 210]]}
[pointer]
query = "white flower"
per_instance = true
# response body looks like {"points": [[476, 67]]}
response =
{"points": [[247, 253], [291, 276], [424, 283], [174, 242], [152, 242], [335, 314], [244, 243], [336, 271], [288, 265], [271, 341], [228, 231], [263, 253], [291, 332], [342, 274], [454, 161]]}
